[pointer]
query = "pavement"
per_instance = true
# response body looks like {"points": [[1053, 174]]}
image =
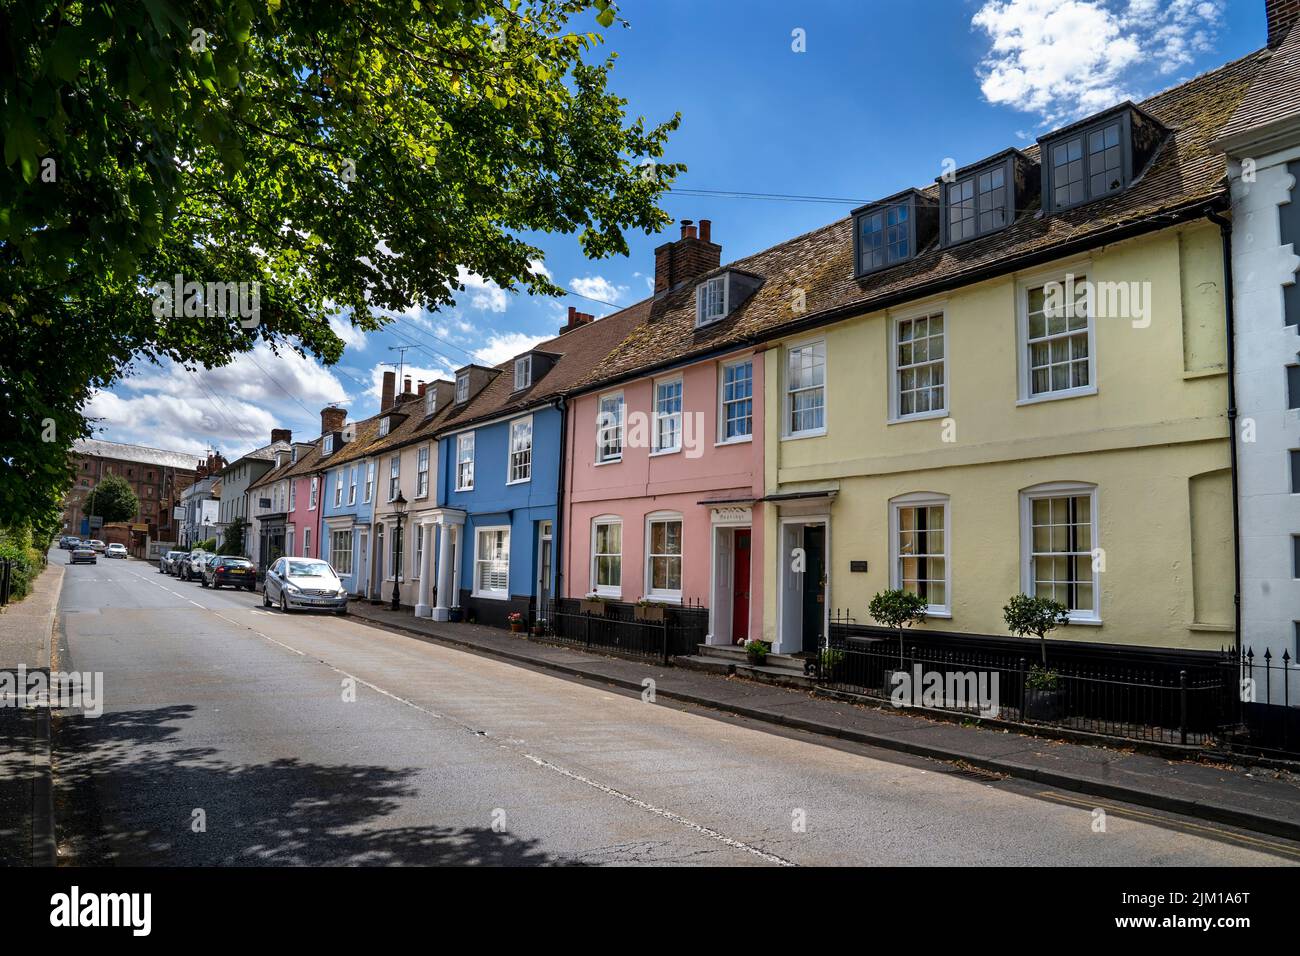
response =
{"points": [[237, 735], [1263, 800], [26, 813]]}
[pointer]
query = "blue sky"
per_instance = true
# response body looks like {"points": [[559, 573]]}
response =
{"points": [[881, 94]]}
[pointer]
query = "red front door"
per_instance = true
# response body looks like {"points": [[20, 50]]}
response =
{"points": [[740, 589]]}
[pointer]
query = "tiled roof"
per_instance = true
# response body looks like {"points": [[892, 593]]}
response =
{"points": [[139, 453], [1273, 97], [305, 450], [577, 354], [1184, 174], [265, 453]]}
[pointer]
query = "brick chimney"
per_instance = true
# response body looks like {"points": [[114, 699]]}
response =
{"points": [[390, 386], [332, 418], [281, 434], [406, 385], [1282, 16], [421, 389], [576, 320], [695, 253]]}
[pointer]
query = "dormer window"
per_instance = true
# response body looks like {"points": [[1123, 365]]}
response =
{"points": [[719, 296], [1098, 157], [462, 388], [893, 230], [710, 300], [328, 447], [983, 198], [523, 372], [430, 397], [384, 425]]}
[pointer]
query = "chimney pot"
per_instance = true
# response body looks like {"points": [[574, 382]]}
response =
{"points": [[390, 385], [706, 228]]}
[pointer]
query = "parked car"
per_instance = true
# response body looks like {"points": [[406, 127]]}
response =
{"points": [[307, 583], [226, 570], [83, 554], [69, 541], [192, 564], [98, 545], [169, 563], [115, 551]]}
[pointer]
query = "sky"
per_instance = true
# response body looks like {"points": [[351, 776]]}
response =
{"points": [[842, 100]]}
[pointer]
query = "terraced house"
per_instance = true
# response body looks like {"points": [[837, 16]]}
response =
{"points": [[501, 449], [342, 492], [663, 495]]}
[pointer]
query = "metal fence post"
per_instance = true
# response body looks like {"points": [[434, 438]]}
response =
{"points": [[1182, 707], [664, 628]]}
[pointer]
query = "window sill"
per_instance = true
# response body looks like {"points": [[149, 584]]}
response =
{"points": [[519, 481], [1058, 396], [1085, 621], [796, 436], [490, 595], [748, 439], [918, 417], [941, 615], [612, 595], [665, 451], [663, 598]]}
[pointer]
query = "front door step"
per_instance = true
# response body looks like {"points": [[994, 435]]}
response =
{"points": [[735, 654]]}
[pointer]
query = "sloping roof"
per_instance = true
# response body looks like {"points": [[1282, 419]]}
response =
{"points": [[288, 468], [1273, 98], [1184, 176], [265, 453], [141, 453], [579, 353]]}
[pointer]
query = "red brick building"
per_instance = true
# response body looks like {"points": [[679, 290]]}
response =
{"points": [[156, 476]]}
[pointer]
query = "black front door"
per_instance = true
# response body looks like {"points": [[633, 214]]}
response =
{"points": [[814, 585]]}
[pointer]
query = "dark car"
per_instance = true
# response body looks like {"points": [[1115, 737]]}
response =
{"points": [[83, 554], [225, 570]]}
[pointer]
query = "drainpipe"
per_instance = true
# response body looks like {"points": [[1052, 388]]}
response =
{"points": [[1225, 230], [557, 538]]}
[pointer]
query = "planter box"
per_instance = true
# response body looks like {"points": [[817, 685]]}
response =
{"points": [[651, 612], [1045, 705], [595, 608], [516, 628], [454, 615]]}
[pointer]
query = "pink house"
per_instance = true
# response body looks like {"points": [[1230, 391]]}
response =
{"points": [[664, 471]]}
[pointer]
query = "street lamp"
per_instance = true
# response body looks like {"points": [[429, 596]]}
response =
{"points": [[399, 512]]}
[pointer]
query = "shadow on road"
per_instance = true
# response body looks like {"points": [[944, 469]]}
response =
{"points": [[126, 795]]}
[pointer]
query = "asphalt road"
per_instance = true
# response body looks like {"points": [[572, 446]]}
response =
{"points": [[236, 735]]}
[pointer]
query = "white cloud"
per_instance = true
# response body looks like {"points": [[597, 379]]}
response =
{"points": [[1063, 59], [353, 337], [597, 287], [484, 294], [538, 267], [502, 346]]}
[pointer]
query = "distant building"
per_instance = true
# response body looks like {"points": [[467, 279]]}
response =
{"points": [[199, 504], [155, 476]]}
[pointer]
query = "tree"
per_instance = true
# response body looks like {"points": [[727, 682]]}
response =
{"points": [[349, 157], [1035, 615], [113, 500], [898, 609], [232, 542]]}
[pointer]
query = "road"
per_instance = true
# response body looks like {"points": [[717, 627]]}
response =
{"points": [[236, 735]]}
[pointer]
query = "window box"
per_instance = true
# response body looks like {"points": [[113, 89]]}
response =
{"points": [[593, 606], [650, 612]]}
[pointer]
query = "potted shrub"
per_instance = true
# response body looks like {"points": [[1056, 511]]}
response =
{"points": [[592, 604], [649, 610], [455, 615], [830, 661], [1025, 615], [898, 609], [756, 651], [516, 619]]}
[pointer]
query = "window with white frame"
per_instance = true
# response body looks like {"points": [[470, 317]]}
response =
{"points": [[492, 562], [465, 461], [710, 300], [609, 428], [370, 480], [328, 445], [422, 472], [340, 550], [462, 388], [805, 389], [394, 477], [607, 556], [417, 532], [919, 367], [1056, 335], [338, 477], [521, 450], [384, 425], [394, 556], [920, 548], [523, 372], [1058, 545], [664, 557], [352, 486], [315, 492], [429, 397], [737, 418], [668, 415], [293, 486], [306, 543]]}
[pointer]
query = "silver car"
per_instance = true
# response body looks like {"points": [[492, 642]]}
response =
{"points": [[191, 566], [304, 583]]}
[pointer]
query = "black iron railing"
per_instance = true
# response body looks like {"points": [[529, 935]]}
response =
{"points": [[660, 632]]}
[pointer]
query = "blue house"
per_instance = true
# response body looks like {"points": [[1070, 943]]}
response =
{"points": [[500, 464]]}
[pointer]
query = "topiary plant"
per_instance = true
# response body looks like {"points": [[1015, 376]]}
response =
{"points": [[898, 609], [1035, 615]]}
